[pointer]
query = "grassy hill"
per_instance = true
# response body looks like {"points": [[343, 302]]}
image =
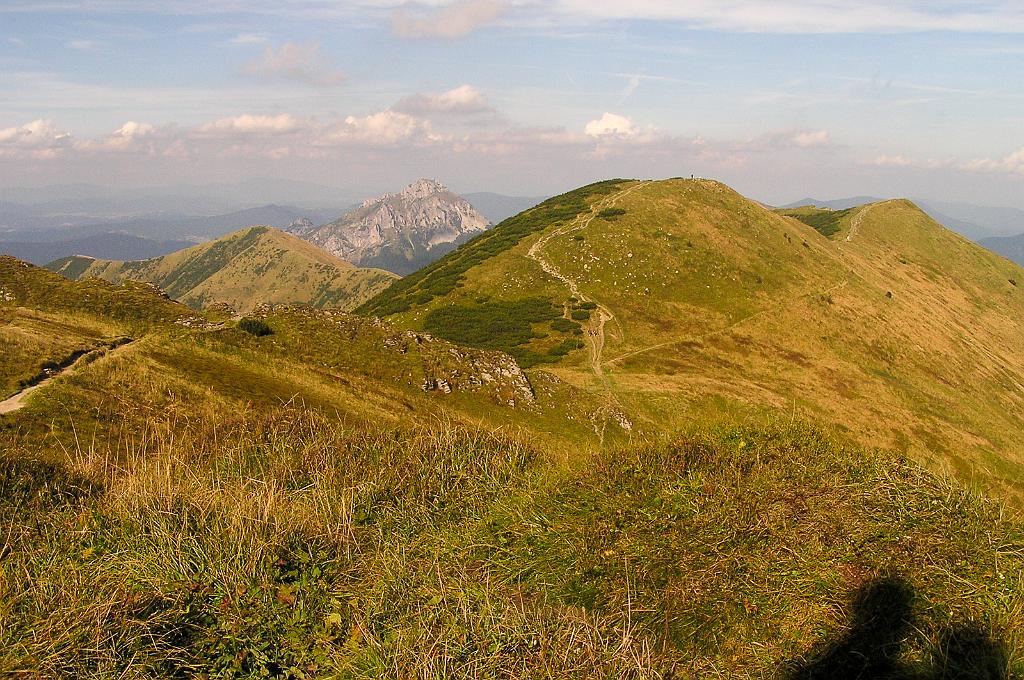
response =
{"points": [[257, 265], [315, 494], [693, 302], [205, 500]]}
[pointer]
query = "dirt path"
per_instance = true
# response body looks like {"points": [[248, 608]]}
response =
{"points": [[858, 218], [596, 333], [19, 400], [596, 330]]}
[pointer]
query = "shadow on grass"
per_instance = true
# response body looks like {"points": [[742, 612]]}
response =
{"points": [[872, 647]]}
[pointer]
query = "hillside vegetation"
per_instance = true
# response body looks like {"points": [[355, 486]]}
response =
{"points": [[278, 542], [724, 480], [257, 265], [703, 303]]}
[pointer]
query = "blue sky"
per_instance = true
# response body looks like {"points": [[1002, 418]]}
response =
{"points": [[780, 99]]}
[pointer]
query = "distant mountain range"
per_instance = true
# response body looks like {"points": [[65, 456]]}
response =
{"points": [[110, 246], [138, 238], [1010, 247], [160, 226], [399, 232], [86, 220], [498, 207]]}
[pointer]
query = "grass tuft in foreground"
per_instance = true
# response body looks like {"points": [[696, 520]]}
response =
{"points": [[285, 544]]}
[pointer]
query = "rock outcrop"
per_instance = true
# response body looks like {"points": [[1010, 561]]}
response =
{"points": [[399, 232]]}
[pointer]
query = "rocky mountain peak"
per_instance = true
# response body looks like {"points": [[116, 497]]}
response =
{"points": [[423, 188], [301, 225], [400, 232]]}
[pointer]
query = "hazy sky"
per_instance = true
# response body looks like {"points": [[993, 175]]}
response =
{"points": [[780, 99]]}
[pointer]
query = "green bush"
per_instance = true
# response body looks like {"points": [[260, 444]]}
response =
{"points": [[580, 315], [611, 213], [588, 305], [563, 325], [825, 222], [256, 327], [501, 324]]}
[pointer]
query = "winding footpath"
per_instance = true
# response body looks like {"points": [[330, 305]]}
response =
{"points": [[19, 400], [596, 331], [596, 337]]}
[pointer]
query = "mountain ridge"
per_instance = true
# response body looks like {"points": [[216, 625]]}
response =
{"points": [[250, 267], [656, 292]]}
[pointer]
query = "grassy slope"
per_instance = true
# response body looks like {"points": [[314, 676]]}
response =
{"points": [[205, 501], [245, 544], [244, 269], [906, 334]]}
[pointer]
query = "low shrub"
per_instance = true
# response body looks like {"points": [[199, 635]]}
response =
{"points": [[256, 327]]}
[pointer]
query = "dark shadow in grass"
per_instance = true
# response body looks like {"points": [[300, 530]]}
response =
{"points": [[872, 648]]}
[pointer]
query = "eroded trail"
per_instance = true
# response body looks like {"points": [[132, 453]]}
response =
{"points": [[19, 400], [596, 329], [858, 218]]}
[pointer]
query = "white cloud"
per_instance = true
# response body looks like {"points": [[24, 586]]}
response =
{"points": [[1011, 163], [900, 161], [811, 139], [304, 63], [252, 125], [384, 128], [464, 99], [809, 16], [39, 139], [133, 130], [611, 125], [455, 20], [83, 45], [132, 136]]}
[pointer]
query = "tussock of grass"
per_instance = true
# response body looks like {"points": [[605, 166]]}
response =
{"points": [[287, 544]]}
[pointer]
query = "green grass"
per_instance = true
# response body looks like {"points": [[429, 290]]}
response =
{"points": [[283, 543], [709, 291], [253, 266]]}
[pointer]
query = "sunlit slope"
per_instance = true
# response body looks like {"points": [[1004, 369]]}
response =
{"points": [[258, 265], [705, 304], [180, 364]]}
